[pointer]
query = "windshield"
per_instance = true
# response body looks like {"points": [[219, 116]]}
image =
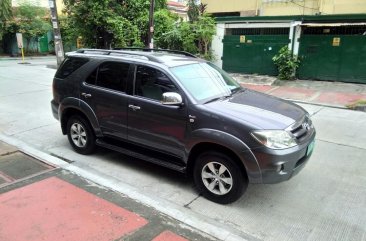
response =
{"points": [[205, 81]]}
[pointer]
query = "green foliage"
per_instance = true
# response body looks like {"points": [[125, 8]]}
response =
{"points": [[124, 32], [194, 37], [5, 14], [30, 20], [110, 23], [205, 29], [286, 63], [5, 10], [357, 104], [193, 10], [164, 23]]}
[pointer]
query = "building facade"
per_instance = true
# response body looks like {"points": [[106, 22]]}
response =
{"points": [[330, 45], [284, 7]]}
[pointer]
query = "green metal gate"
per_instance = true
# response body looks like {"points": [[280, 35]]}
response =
{"points": [[245, 52], [43, 44], [336, 57]]}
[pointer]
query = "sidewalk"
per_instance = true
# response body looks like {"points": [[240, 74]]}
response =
{"points": [[43, 57], [334, 94], [39, 201]]}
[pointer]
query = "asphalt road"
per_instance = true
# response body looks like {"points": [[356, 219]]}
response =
{"points": [[326, 201]]}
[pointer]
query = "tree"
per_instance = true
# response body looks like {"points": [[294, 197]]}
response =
{"points": [[202, 8], [30, 20], [68, 33], [110, 23], [205, 28], [5, 14], [193, 10], [164, 22]]}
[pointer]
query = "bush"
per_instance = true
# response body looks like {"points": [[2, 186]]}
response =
{"points": [[287, 63]]}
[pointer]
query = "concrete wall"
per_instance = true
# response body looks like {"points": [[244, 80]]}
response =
{"points": [[219, 6], [286, 7], [296, 7], [343, 6]]}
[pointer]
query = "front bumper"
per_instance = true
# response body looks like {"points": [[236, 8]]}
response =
{"points": [[54, 108], [280, 165]]}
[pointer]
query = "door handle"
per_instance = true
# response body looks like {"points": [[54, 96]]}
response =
{"points": [[134, 107], [86, 95]]}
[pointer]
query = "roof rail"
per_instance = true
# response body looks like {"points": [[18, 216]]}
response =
{"points": [[117, 52], [159, 50]]}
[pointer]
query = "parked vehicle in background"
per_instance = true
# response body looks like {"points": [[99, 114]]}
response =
{"points": [[181, 112]]}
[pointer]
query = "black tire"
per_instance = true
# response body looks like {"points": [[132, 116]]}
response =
{"points": [[82, 140], [220, 189]]}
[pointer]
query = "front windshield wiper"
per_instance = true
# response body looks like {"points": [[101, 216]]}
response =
{"points": [[218, 98], [236, 90]]}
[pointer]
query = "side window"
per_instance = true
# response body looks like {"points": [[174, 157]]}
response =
{"points": [[69, 66], [92, 78], [152, 83], [111, 75]]}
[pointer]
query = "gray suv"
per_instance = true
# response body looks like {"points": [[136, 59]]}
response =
{"points": [[181, 112]]}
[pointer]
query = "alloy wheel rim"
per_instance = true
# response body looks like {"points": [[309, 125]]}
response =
{"points": [[78, 135], [217, 178]]}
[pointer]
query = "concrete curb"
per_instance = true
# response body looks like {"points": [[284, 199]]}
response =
{"points": [[317, 104], [184, 215], [27, 58]]}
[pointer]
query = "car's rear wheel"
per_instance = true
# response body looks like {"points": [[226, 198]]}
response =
{"points": [[219, 178], [80, 135]]}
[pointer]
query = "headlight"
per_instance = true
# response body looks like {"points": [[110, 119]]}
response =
{"points": [[274, 139]]}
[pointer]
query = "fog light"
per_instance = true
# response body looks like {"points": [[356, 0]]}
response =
{"points": [[280, 168]]}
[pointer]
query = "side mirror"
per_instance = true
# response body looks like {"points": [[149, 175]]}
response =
{"points": [[171, 98]]}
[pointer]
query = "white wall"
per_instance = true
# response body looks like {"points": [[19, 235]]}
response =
{"points": [[217, 44]]}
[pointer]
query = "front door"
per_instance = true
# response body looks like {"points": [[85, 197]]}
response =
{"points": [[151, 123], [105, 92]]}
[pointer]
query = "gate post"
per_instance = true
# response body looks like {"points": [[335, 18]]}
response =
{"points": [[294, 36], [218, 45]]}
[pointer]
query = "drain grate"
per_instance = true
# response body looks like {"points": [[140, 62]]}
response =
{"points": [[62, 158]]}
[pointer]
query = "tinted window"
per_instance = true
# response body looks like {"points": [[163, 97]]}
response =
{"points": [[152, 83], [69, 66], [92, 78], [111, 75]]}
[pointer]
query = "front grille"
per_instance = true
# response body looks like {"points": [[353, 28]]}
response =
{"points": [[301, 129]]}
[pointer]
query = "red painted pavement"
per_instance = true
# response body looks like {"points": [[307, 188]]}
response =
{"points": [[53, 209], [260, 88], [338, 98], [293, 93], [169, 236]]}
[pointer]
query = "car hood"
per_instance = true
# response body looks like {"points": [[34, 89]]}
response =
{"points": [[260, 110]]}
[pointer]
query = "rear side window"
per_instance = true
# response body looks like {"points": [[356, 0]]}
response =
{"points": [[69, 66], [110, 75]]}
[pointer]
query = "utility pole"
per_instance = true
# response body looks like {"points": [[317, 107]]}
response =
{"points": [[59, 49], [151, 24]]}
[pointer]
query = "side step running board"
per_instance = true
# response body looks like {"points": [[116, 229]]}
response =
{"points": [[138, 155]]}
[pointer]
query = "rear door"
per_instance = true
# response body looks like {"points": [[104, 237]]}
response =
{"points": [[105, 92], [150, 123]]}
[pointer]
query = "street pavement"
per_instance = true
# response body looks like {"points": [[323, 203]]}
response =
{"points": [[326, 201]]}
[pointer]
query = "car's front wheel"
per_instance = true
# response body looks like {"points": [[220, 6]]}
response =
{"points": [[80, 135], [219, 178]]}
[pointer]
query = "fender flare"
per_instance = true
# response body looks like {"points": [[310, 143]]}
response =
{"points": [[231, 142], [79, 105]]}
